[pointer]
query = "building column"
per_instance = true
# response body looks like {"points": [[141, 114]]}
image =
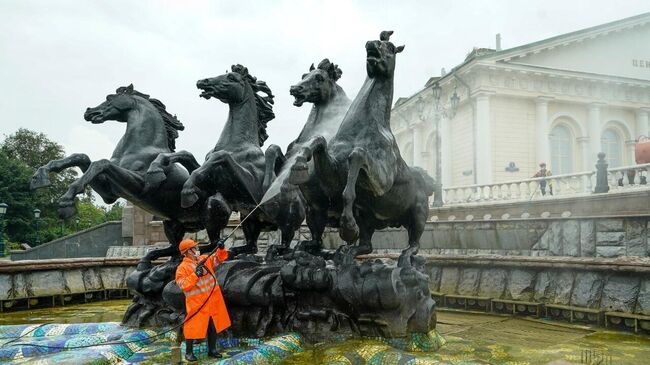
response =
{"points": [[588, 161], [542, 144], [445, 151], [593, 128], [642, 123], [417, 149], [483, 140], [628, 156]]}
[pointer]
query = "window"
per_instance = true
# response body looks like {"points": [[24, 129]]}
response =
{"points": [[611, 144], [561, 150]]}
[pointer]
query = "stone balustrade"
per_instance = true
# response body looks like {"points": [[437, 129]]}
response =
{"points": [[576, 184], [628, 177]]}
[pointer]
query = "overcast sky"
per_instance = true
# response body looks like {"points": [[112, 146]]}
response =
{"points": [[59, 57]]}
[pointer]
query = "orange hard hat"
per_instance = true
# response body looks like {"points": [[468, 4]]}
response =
{"points": [[186, 245]]}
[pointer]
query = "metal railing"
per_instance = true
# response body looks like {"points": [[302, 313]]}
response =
{"points": [[575, 184]]}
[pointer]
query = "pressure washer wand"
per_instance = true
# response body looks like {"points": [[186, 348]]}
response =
{"points": [[223, 240]]}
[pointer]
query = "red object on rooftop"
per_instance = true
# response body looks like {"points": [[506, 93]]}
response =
{"points": [[642, 150]]}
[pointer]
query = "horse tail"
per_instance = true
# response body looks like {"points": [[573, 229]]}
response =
{"points": [[423, 180]]}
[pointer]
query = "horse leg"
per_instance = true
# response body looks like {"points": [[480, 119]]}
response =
{"points": [[174, 231], [274, 159], [287, 233], [316, 221], [157, 172], [196, 183], [252, 231], [349, 230], [121, 180], [215, 217], [365, 240], [419, 214], [41, 178], [315, 149]]}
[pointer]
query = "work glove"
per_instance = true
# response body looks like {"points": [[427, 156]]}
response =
{"points": [[200, 271]]}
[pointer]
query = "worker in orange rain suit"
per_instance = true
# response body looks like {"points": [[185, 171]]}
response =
{"points": [[204, 305]]}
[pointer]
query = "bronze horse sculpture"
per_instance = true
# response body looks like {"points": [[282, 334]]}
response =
{"points": [[131, 173], [150, 135], [361, 169], [236, 167], [319, 87]]}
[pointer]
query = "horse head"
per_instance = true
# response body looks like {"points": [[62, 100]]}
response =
{"points": [[317, 86], [380, 56], [239, 87], [230, 88], [116, 106]]}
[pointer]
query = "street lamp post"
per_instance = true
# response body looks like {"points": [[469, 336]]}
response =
{"points": [[3, 211], [37, 215], [76, 224], [449, 114]]}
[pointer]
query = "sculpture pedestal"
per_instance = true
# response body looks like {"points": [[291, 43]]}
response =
{"points": [[304, 293]]}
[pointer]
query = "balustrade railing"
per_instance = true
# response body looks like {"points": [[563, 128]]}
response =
{"points": [[581, 183], [628, 177]]}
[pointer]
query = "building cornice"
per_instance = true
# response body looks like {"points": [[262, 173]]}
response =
{"points": [[566, 39]]}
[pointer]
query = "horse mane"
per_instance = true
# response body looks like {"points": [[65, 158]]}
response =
{"points": [[172, 124], [333, 71], [264, 103]]}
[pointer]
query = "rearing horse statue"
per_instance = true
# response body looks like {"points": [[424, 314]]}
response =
{"points": [[319, 87], [361, 169], [235, 168], [150, 136]]}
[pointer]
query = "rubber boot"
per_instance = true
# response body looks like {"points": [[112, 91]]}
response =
{"points": [[189, 351], [212, 341]]}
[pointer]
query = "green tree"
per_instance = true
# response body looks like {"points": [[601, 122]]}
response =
{"points": [[14, 191], [20, 155]]}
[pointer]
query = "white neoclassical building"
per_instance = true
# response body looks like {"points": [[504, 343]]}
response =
{"points": [[560, 100]]}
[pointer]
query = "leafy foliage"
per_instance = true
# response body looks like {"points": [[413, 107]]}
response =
{"points": [[20, 155]]}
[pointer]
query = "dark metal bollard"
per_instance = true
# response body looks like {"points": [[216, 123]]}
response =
{"points": [[601, 175]]}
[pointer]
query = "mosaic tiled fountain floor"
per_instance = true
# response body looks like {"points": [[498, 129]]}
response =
{"points": [[470, 339]]}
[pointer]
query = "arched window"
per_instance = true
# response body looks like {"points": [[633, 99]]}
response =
{"points": [[561, 150], [407, 154], [613, 147]]}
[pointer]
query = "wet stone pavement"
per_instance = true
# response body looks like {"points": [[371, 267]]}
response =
{"points": [[469, 338]]}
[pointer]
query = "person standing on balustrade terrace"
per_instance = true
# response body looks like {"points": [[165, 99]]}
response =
{"points": [[205, 308], [543, 172]]}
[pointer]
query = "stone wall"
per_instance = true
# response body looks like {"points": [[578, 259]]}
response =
{"points": [[91, 242], [596, 237], [605, 287], [608, 237], [61, 277]]}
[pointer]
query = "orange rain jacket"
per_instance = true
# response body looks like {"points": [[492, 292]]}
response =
{"points": [[197, 291]]}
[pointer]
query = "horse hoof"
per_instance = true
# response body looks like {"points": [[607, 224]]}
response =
{"points": [[238, 250], [154, 178], [40, 179], [348, 230], [66, 210], [299, 173], [188, 199], [362, 250], [311, 247]]}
